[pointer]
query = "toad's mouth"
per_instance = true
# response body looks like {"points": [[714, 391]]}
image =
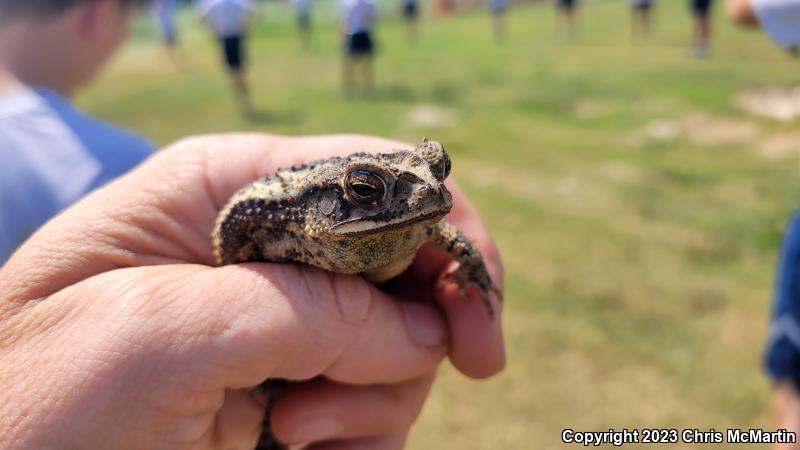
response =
{"points": [[367, 226]]}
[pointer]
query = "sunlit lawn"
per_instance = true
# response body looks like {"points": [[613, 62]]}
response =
{"points": [[639, 262]]}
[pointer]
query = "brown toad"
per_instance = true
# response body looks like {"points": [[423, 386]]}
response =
{"points": [[361, 214]]}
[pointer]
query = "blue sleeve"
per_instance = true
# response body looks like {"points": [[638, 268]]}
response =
{"points": [[782, 355], [117, 149]]}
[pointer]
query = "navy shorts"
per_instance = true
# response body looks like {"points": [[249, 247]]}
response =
{"points": [[643, 5], [700, 7], [360, 44], [567, 4], [304, 20], [233, 52], [410, 10]]}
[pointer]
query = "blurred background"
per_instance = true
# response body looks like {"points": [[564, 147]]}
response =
{"points": [[638, 194]]}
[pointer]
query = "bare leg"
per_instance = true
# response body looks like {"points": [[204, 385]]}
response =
{"points": [[347, 76], [561, 23], [369, 74], [570, 16], [566, 23], [639, 22], [499, 20], [174, 53], [704, 29], [702, 33], [305, 32], [412, 30], [242, 91]]}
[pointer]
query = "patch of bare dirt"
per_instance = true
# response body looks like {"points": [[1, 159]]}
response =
{"points": [[432, 116], [622, 172], [701, 129], [661, 130], [774, 102], [591, 109], [710, 130], [780, 145]]}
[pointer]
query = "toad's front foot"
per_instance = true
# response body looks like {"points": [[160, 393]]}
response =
{"points": [[472, 272], [477, 278]]}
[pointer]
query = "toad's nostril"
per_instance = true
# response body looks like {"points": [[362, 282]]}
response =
{"points": [[444, 195]]}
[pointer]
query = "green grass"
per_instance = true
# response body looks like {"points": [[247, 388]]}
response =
{"points": [[639, 270]]}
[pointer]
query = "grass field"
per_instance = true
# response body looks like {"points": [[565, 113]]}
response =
{"points": [[639, 211]]}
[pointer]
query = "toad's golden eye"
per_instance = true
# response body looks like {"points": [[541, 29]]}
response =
{"points": [[364, 187]]}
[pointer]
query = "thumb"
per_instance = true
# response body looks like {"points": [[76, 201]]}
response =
{"points": [[252, 321]]}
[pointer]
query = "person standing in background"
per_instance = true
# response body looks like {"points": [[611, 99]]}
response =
{"points": [[52, 154], [410, 11], [165, 13], [701, 37], [498, 9], [229, 21], [641, 16], [303, 10], [358, 22], [566, 19]]}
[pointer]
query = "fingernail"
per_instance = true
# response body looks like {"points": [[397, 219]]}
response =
{"points": [[451, 267], [317, 429], [424, 325]]}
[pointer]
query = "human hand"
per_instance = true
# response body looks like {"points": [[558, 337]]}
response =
{"points": [[741, 12], [115, 332]]}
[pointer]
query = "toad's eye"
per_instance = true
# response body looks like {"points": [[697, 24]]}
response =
{"points": [[364, 187], [446, 166]]}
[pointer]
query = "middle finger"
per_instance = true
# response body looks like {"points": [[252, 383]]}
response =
{"points": [[321, 409]]}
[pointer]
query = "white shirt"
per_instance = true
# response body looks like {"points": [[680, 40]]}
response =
{"points": [[358, 16], [780, 19], [226, 17], [50, 156]]}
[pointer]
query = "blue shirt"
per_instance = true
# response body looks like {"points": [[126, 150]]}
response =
{"points": [[782, 356], [51, 155]]}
